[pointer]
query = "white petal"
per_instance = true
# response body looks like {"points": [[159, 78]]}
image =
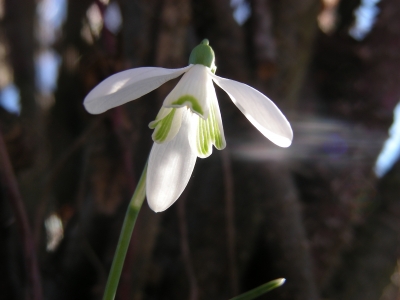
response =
{"points": [[195, 90], [259, 110], [205, 133], [126, 86], [170, 167]]}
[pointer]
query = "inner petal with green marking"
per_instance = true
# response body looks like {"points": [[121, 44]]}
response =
{"points": [[209, 132], [166, 127], [189, 101], [195, 90]]}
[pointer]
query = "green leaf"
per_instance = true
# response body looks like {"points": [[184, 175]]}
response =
{"points": [[262, 289]]}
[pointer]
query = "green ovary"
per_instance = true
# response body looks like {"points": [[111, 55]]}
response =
{"points": [[203, 54]]}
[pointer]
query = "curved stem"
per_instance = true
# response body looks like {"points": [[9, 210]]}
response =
{"points": [[125, 237]]}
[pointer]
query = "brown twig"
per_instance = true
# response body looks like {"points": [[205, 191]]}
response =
{"points": [[17, 205], [230, 219]]}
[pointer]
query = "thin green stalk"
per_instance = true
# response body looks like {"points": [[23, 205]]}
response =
{"points": [[125, 237], [260, 290]]}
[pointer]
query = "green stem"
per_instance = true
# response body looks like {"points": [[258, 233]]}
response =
{"points": [[125, 237]]}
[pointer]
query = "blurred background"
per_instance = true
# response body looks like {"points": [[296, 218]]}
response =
{"points": [[324, 213]]}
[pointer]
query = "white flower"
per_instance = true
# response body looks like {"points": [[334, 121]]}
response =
{"points": [[189, 121]]}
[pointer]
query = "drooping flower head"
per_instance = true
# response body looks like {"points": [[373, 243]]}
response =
{"points": [[189, 122]]}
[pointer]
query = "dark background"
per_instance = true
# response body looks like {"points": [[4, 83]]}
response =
{"points": [[315, 213]]}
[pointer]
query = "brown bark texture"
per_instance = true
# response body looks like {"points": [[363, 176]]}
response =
{"points": [[314, 213]]}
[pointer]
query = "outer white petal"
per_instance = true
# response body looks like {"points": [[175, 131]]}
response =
{"points": [[195, 90], [128, 85], [170, 167], [259, 110]]}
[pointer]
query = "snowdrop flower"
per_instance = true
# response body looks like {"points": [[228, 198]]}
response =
{"points": [[189, 121]]}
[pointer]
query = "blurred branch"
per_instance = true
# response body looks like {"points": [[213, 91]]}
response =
{"points": [[230, 219], [346, 16], [194, 289], [17, 205], [56, 168], [263, 39], [367, 266], [19, 25], [214, 20], [295, 27]]}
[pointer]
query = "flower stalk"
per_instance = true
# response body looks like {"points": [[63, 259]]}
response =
{"points": [[125, 237]]}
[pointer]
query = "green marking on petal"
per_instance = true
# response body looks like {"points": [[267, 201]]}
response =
{"points": [[161, 115], [217, 134], [205, 137], [153, 124], [209, 133], [162, 127], [192, 101]]}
